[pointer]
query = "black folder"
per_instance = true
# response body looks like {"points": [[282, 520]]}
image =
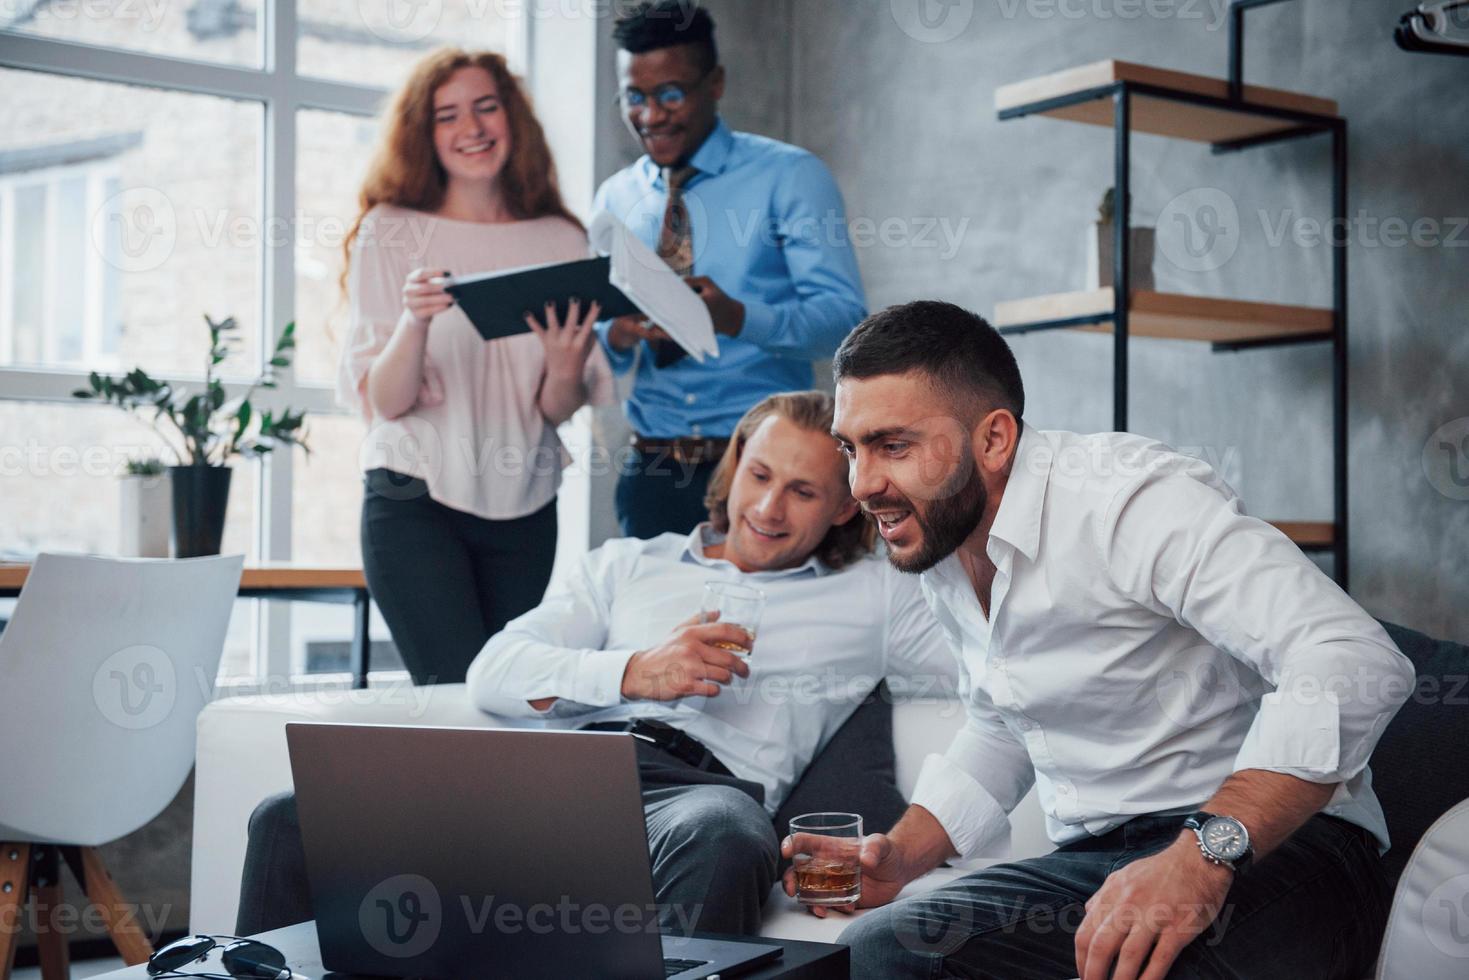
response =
{"points": [[496, 303]]}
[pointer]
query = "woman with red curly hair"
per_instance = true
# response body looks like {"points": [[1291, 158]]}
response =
{"points": [[461, 461]]}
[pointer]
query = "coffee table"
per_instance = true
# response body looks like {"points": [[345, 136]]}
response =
{"points": [[801, 961]]}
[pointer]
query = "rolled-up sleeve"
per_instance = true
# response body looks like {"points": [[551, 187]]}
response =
{"points": [[1185, 549], [972, 788], [556, 650], [811, 223]]}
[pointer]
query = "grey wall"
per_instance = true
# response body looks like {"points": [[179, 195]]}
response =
{"points": [[908, 126]]}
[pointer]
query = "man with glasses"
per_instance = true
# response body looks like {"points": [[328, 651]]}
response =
{"points": [[759, 230]]}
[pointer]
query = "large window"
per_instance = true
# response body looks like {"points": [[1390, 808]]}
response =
{"points": [[160, 162]]}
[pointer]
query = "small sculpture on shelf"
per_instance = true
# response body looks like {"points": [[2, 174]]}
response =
{"points": [[1099, 240]]}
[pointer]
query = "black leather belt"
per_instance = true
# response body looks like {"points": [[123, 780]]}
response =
{"points": [[693, 450], [676, 743]]}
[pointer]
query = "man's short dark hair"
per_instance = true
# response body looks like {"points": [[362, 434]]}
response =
{"points": [[651, 26], [958, 350]]}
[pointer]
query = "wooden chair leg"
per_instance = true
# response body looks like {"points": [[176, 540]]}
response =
{"points": [[121, 918], [15, 876], [50, 934]]}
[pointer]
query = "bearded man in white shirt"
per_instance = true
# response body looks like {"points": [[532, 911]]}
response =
{"points": [[1193, 699]]}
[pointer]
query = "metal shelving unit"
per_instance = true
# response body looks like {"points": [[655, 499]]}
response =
{"points": [[1231, 117]]}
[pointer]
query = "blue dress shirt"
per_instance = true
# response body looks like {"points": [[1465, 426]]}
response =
{"points": [[770, 229]]}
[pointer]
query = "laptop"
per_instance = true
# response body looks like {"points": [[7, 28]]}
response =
{"points": [[486, 853]]}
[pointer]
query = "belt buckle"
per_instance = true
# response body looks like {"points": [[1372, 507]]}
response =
{"points": [[682, 452]]}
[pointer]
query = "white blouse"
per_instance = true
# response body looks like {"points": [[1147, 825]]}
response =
{"points": [[475, 435]]}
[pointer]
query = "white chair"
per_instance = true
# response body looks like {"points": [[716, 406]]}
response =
{"points": [[1428, 929], [104, 669]]}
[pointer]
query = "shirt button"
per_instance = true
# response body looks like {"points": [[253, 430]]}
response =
{"points": [[690, 399], [1063, 790], [695, 431]]}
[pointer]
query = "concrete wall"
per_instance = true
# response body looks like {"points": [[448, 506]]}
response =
{"points": [[979, 211]]}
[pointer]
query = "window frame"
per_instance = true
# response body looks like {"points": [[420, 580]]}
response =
{"points": [[278, 85]]}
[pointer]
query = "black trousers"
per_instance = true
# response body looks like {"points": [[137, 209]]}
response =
{"points": [[657, 494], [447, 581]]}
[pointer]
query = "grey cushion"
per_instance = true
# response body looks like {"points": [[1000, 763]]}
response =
{"points": [[854, 773], [1418, 768]]}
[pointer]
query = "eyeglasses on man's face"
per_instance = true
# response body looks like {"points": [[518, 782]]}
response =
{"points": [[670, 96]]}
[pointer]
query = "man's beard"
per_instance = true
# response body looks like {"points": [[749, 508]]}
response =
{"points": [[947, 520]]}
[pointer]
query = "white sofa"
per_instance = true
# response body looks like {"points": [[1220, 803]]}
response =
{"points": [[242, 759]]}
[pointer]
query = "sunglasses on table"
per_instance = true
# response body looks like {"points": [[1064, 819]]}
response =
{"points": [[240, 959]]}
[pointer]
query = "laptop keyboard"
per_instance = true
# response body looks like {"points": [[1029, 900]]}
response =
{"points": [[673, 967]]}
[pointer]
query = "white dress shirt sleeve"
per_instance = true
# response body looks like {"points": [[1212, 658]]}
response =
{"points": [[920, 660], [1183, 548], [556, 649], [973, 786]]}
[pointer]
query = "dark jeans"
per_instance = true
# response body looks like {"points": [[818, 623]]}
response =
{"points": [[1314, 907], [656, 494], [711, 843], [447, 581]]}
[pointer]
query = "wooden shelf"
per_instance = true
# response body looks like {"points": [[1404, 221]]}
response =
{"points": [[1159, 115], [1310, 535], [257, 578], [1172, 316]]}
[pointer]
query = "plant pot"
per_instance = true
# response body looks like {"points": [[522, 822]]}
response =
{"points": [[1099, 239], [200, 496], [145, 517]]}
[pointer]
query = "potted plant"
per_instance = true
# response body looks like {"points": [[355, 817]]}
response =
{"points": [[204, 430], [1100, 237], [146, 516]]}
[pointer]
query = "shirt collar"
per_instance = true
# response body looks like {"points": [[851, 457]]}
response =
{"points": [[1018, 522], [704, 535], [712, 156]]}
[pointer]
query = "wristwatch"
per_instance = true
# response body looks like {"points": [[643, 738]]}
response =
{"points": [[1223, 840]]}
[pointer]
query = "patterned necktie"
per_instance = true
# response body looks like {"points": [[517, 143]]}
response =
{"points": [[676, 247]]}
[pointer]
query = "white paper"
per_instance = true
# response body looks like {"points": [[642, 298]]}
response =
{"points": [[657, 290]]}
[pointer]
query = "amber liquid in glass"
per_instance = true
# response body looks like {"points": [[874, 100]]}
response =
{"points": [[828, 881]]}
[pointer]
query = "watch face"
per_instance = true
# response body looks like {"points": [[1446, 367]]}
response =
{"points": [[1225, 838]]}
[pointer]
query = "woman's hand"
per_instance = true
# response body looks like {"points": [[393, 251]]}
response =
{"points": [[424, 296], [566, 343]]}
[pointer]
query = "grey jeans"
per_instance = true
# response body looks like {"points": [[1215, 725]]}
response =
{"points": [[711, 843], [1313, 908]]}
